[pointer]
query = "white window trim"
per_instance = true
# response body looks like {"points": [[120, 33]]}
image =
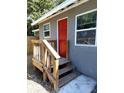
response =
{"points": [[85, 30], [47, 30]]}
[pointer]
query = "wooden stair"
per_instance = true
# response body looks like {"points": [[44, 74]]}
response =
{"points": [[66, 79], [59, 71], [65, 69], [63, 61], [66, 72]]}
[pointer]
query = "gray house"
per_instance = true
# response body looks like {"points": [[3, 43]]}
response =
{"points": [[72, 25]]}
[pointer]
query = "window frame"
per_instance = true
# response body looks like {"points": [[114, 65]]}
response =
{"points": [[87, 29], [47, 30]]}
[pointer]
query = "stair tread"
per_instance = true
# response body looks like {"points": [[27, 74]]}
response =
{"points": [[65, 69], [63, 61], [67, 78]]}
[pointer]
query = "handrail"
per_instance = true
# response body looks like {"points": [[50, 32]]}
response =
{"points": [[53, 43], [48, 46], [35, 41], [51, 49]]}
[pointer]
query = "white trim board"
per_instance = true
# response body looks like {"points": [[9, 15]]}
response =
{"points": [[36, 30]]}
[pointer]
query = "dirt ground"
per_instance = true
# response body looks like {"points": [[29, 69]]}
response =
{"points": [[35, 83]]}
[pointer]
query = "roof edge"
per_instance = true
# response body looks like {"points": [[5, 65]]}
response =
{"points": [[35, 30], [47, 15]]}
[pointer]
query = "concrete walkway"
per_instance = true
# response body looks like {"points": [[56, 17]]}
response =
{"points": [[81, 84]]}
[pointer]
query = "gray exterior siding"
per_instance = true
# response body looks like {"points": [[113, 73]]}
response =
{"points": [[83, 57]]}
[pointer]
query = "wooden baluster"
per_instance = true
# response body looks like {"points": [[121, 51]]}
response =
{"points": [[42, 59], [56, 74], [44, 64], [34, 51], [39, 52], [33, 56], [49, 62], [42, 53], [45, 57]]}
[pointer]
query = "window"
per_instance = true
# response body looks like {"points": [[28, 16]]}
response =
{"points": [[46, 30], [86, 28]]}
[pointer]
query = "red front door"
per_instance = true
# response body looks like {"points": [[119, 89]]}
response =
{"points": [[62, 36]]}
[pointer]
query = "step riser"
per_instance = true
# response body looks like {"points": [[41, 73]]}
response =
{"points": [[63, 61], [67, 78], [66, 72], [65, 69]]}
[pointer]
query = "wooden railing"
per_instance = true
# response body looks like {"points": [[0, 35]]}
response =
{"points": [[46, 59], [53, 43]]}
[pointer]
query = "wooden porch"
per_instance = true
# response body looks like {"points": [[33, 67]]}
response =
{"points": [[56, 69]]}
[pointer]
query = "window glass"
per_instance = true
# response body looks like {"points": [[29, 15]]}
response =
{"points": [[46, 27], [86, 21], [86, 37], [46, 34]]}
